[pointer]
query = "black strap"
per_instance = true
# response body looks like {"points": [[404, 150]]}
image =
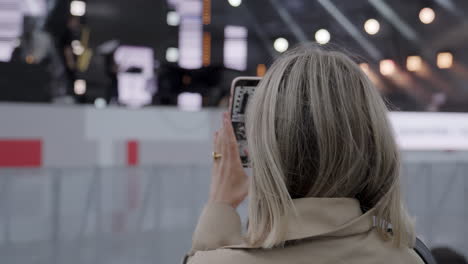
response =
{"points": [[424, 252]]}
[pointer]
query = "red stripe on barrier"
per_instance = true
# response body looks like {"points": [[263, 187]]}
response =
{"points": [[132, 153], [20, 153], [133, 180]]}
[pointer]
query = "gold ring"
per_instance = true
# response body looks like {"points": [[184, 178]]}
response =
{"points": [[216, 156]]}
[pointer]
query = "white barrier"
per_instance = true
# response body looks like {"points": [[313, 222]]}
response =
{"points": [[83, 136]]}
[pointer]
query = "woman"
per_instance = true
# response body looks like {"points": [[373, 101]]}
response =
{"points": [[325, 184]]}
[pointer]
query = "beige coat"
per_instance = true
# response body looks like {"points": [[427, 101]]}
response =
{"points": [[329, 230]]}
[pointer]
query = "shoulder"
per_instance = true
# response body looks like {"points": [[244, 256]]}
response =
{"points": [[225, 256]]}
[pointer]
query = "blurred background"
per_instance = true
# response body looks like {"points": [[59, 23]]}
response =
{"points": [[108, 107]]}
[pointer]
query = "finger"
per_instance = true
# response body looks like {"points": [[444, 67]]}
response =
{"points": [[230, 142], [229, 129], [230, 136], [226, 124], [223, 142]]}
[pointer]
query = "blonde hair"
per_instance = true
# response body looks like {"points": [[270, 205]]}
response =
{"points": [[317, 127]]}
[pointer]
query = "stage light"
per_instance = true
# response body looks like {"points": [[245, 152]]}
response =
{"points": [[372, 76], [79, 87], [100, 103], [387, 67], [173, 18], [281, 44], [372, 26], [206, 53], [322, 36], [30, 59], [364, 67], [261, 70], [77, 8], [206, 13], [413, 63], [444, 60], [77, 48], [189, 101], [172, 54], [235, 3], [426, 15]]}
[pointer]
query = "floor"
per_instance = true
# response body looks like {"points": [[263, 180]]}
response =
{"points": [[146, 215]]}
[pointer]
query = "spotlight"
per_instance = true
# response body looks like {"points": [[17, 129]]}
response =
{"points": [[322, 36], [413, 63], [444, 60], [235, 3], [100, 103], [172, 54], [79, 87], [387, 67], [426, 15], [372, 26], [281, 44], [173, 18], [77, 8]]}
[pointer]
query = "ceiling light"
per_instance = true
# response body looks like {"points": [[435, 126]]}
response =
{"points": [[322, 36], [413, 63], [235, 3], [173, 18], [79, 87], [281, 44], [372, 26], [426, 15], [387, 67], [172, 54], [444, 60]]}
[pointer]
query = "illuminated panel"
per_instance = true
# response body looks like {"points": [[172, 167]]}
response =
{"points": [[136, 84], [34, 7], [190, 34], [206, 48], [235, 47], [189, 101], [11, 25], [206, 12]]}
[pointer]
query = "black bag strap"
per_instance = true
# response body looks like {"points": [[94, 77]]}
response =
{"points": [[424, 253]]}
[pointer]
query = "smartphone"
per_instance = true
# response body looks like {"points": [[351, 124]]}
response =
{"points": [[242, 90]]}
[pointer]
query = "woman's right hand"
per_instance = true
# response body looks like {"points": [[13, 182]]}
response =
{"points": [[229, 182]]}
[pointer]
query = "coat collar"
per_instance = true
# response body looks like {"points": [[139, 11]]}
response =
{"points": [[320, 217]]}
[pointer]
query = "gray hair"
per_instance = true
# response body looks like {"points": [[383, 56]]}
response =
{"points": [[317, 127]]}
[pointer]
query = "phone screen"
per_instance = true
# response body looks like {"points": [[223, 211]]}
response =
{"points": [[242, 90]]}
